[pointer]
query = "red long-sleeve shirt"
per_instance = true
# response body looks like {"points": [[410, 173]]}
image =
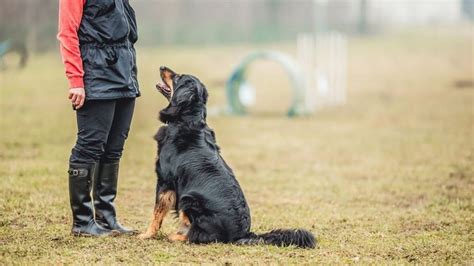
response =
{"points": [[70, 16]]}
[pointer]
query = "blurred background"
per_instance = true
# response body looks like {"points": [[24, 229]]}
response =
{"points": [[311, 34], [358, 116], [206, 22]]}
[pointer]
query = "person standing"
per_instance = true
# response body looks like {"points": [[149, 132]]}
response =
{"points": [[97, 47]]}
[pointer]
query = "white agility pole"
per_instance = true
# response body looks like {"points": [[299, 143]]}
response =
{"points": [[323, 60]]}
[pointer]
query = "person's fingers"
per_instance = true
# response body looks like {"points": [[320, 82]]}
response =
{"points": [[81, 103], [70, 95], [78, 100], [73, 99], [83, 100]]}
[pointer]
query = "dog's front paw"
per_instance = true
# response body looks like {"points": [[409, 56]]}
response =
{"points": [[145, 236], [176, 237]]}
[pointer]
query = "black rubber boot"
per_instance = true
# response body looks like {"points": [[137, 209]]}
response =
{"points": [[105, 190], [80, 186]]}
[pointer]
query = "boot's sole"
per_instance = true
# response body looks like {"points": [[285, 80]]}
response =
{"points": [[112, 233]]}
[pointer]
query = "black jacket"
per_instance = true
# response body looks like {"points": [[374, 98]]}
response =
{"points": [[107, 34]]}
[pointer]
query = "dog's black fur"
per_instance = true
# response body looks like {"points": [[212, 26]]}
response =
{"points": [[207, 191]]}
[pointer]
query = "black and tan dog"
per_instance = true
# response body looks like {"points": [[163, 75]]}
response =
{"points": [[195, 181]]}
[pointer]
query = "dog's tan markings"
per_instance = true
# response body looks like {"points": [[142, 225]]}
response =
{"points": [[182, 234], [166, 201], [167, 77], [184, 219], [177, 237]]}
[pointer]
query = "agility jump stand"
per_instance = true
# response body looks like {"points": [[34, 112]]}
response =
{"points": [[323, 60]]}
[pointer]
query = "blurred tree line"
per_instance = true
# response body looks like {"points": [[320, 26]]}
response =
{"points": [[195, 22], [33, 22], [170, 21], [174, 21], [214, 21]]}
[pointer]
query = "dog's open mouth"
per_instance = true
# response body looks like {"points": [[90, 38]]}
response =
{"points": [[164, 89], [166, 84]]}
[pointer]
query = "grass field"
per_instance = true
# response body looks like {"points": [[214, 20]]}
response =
{"points": [[387, 178]]}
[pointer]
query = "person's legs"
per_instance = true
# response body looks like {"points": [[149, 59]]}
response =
{"points": [[119, 130], [94, 120], [105, 185]]}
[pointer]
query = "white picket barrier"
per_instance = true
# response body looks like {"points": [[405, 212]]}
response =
{"points": [[323, 60]]}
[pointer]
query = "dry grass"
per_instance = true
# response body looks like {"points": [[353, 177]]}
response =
{"points": [[386, 178]]}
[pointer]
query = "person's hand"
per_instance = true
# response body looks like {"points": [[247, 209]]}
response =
{"points": [[77, 97]]}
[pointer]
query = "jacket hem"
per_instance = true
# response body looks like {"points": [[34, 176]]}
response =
{"points": [[112, 97]]}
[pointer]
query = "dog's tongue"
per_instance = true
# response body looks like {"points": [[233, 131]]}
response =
{"points": [[163, 86]]}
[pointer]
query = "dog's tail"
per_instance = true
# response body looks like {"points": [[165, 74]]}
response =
{"points": [[282, 237]]}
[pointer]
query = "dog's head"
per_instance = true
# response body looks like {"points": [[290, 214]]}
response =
{"points": [[186, 94]]}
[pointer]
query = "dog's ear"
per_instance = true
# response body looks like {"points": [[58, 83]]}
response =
{"points": [[204, 95], [202, 91], [169, 114]]}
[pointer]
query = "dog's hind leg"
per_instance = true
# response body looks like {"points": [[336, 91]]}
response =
{"points": [[166, 201], [182, 233]]}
